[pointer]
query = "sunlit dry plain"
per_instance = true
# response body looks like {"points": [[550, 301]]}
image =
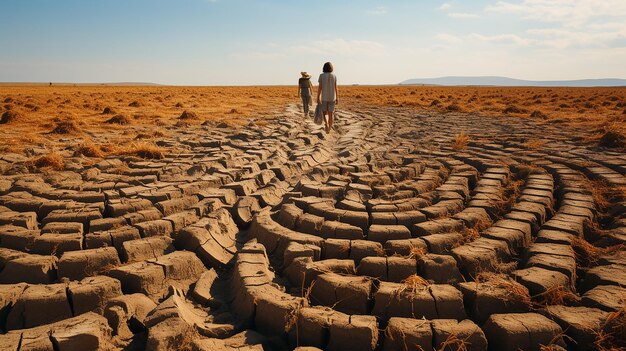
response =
{"points": [[221, 218], [30, 114]]}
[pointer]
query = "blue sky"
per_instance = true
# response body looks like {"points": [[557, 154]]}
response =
{"points": [[245, 42]]}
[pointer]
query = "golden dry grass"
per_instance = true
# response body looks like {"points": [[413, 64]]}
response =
{"points": [[50, 161], [414, 283], [558, 295], [460, 142], [605, 195], [84, 109], [517, 292], [58, 112], [89, 149], [587, 255], [141, 149], [417, 252]]}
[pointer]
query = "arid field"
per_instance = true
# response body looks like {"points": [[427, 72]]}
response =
{"points": [[221, 218]]}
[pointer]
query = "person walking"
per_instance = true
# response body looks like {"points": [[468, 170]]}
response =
{"points": [[305, 90], [327, 94]]}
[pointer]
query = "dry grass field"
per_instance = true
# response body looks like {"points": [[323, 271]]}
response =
{"points": [[601, 110], [42, 115]]}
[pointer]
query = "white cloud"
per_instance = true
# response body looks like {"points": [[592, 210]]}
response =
{"points": [[445, 7], [448, 38], [379, 10], [462, 15], [567, 12], [502, 38], [572, 23]]}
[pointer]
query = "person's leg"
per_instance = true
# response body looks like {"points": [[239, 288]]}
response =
{"points": [[330, 120], [326, 121], [305, 103]]}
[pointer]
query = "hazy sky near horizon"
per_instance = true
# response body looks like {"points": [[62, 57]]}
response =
{"points": [[246, 42]]}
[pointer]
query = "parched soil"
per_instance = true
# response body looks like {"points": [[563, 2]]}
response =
{"points": [[405, 228]]}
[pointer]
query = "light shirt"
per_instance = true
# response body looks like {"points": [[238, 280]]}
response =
{"points": [[327, 82]]}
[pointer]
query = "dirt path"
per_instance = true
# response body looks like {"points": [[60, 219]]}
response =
{"points": [[398, 231]]}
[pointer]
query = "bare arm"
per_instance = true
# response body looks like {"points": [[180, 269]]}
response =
{"points": [[319, 92], [311, 87], [336, 92]]}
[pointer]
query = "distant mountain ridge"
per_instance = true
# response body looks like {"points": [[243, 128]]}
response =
{"points": [[511, 82]]}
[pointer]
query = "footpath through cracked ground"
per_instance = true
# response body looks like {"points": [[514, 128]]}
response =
{"points": [[393, 232]]}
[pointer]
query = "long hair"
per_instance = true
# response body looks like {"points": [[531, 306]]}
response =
{"points": [[328, 67]]}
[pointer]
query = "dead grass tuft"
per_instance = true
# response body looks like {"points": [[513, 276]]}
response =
{"points": [[118, 119], [460, 141], [614, 136], [89, 149], [587, 255], [66, 127], [470, 234], [143, 150], [612, 336], [10, 116], [554, 344], [602, 193], [509, 196], [155, 134], [108, 111], [413, 284], [417, 252], [558, 295], [188, 115], [52, 160], [453, 342], [517, 292]]}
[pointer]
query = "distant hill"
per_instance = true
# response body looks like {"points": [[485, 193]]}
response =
{"points": [[510, 82]]}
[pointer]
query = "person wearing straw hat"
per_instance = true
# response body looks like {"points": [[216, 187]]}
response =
{"points": [[305, 90]]}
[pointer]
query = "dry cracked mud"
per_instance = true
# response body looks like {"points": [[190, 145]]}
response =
{"points": [[394, 232]]}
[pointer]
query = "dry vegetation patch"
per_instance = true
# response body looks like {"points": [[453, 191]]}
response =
{"points": [[188, 115], [52, 160], [460, 141], [143, 150], [89, 149], [65, 127], [108, 111], [118, 119], [10, 116]]}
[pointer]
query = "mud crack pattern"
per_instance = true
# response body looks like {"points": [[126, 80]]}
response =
{"points": [[383, 235]]}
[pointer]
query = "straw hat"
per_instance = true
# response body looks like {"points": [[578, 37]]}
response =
{"points": [[305, 75]]}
